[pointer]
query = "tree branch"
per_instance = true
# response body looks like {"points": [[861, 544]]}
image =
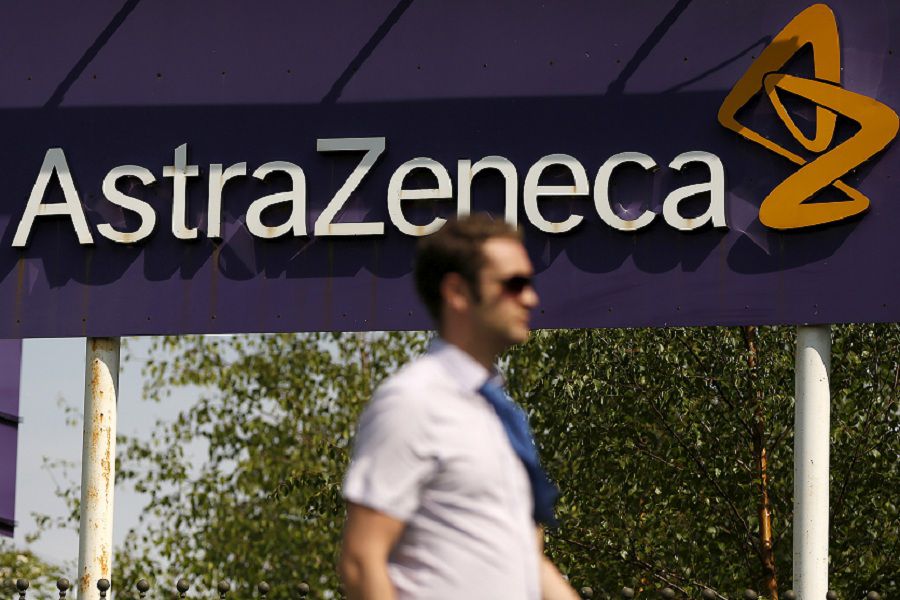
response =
{"points": [[704, 471], [715, 384], [660, 573]]}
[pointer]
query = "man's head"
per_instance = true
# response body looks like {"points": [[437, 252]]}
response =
{"points": [[474, 277]]}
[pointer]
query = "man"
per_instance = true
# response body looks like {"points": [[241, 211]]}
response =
{"points": [[445, 491]]}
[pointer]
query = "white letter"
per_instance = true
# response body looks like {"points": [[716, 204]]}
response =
{"points": [[466, 172], [715, 187], [144, 210], [396, 194], [54, 160], [179, 172], [601, 192], [532, 190], [296, 196], [217, 181], [373, 147]]}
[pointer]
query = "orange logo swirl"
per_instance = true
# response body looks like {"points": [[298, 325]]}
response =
{"points": [[785, 207]]}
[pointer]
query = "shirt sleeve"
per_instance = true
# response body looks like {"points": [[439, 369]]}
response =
{"points": [[392, 460]]}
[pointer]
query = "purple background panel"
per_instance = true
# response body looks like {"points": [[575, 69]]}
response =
{"points": [[10, 369], [442, 79], [7, 479]]}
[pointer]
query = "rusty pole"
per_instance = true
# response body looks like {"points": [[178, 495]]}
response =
{"points": [[98, 465]]}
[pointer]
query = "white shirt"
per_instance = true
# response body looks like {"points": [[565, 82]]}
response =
{"points": [[431, 452]]}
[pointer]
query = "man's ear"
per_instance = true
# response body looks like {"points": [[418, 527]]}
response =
{"points": [[455, 292]]}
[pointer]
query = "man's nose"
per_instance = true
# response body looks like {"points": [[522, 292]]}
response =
{"points": [[530, 297]]}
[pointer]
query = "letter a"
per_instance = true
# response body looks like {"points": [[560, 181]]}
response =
{"points": [[54, 161]]}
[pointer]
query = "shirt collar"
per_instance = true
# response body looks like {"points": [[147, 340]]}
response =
{"points": [[465, 370]]}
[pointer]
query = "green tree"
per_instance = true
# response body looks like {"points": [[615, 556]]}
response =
{"points": [[24, 564], [274, 421], [655, 436]]}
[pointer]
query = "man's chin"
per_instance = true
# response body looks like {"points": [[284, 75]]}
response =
{"points": [[520, 336], [511, 337]]}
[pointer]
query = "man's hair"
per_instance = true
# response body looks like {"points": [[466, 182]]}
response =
{"points": [[455, 248]]}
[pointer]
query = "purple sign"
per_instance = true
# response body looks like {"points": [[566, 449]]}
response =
{"points": [[270, 169], [10, 362]]}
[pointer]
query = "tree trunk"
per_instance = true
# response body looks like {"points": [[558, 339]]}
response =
{"points": [[765, 551]]}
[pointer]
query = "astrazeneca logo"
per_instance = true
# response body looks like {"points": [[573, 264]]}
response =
{"points": [[786, 207]]}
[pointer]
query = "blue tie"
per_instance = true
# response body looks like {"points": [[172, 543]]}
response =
{"points": [[515, 422]]}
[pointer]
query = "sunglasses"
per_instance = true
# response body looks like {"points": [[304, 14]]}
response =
{"points": [[516, 284]]}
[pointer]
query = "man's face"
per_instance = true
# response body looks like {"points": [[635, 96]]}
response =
{"points": [[507, 296]]}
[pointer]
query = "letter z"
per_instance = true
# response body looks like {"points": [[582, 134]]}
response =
{"points": [[373, 148]]}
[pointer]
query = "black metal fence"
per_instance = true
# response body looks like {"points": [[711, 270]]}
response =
{"points": [[302, 590]]}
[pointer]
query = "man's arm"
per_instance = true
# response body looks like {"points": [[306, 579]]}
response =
{"points": [[553, 585], [368, 538]]}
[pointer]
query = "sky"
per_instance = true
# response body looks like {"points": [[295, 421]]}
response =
{"points": [[53, 373]]}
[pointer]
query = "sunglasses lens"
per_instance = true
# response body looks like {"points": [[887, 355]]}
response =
{"points": [[516, 284]]}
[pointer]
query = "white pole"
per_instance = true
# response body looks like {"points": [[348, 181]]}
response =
{"points": [[98, 465], [812, 431]]}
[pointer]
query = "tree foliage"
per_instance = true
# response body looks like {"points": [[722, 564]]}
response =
{"points": [[273, 422], [654, 436], [24, 564], [650, 434]]}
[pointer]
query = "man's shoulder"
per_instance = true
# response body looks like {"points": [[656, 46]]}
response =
{"points": [[410, 398], [423, 373]]}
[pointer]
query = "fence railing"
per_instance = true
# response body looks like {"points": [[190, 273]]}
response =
{"points": [[302, 591]]}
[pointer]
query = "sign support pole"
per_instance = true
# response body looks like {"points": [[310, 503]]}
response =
{"points": [[812, 429], [98, 465]]}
